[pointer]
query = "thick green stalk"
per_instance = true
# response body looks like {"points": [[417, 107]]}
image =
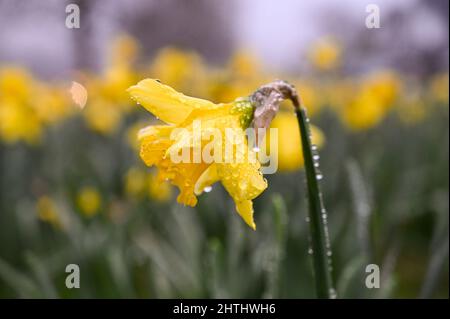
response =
{"points": [[317, 215]]}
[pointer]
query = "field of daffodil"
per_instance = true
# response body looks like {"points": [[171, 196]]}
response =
{"points": [[74, 189]]}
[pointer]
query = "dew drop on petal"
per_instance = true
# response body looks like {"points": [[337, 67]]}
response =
{"points": [[243, 185]]}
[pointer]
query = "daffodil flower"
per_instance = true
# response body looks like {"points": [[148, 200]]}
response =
{"points": [[241, 178]]}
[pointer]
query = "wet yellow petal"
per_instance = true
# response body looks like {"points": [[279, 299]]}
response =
{"points": [[245, 210], [243, 181], [208, 178], [155, 140], [155, 131], [164, 102], [185, 177]]}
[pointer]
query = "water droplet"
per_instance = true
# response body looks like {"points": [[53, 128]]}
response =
{"points": [[314, 147], [307, 219], [207, 189], [256, 149], [243, 185], [316, 164], [310, 251], [319, 177], [316, 157], [329, 253]]}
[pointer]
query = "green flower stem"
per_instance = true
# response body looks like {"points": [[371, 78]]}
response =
{"points": [[317, 215], [266, 101]]}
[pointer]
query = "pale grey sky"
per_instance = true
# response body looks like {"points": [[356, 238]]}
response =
{"points": [[301, 22], [279, 32]]}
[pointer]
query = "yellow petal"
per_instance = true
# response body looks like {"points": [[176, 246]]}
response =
{"points": [[245, 209], [164, 102], [208, 178], [155, 140], [185, 177], [243, 181], [156, 131]]}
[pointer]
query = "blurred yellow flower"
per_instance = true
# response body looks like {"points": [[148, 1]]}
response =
{"points": [[47, 211], [108, 100], [89, 201], [412, 109], [140, 182], [325, 54], [242, 75], [311, 100], [180, 69], [135, 182], [27, 106], [290, 154], [363, 112], [241, 179], [160, 191], [52, 104], [385, 85], [15, 82], [374, 98], [244, 64], [124, 50], [339, 94], [439, 88], [18, 122], [102, 117]]}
